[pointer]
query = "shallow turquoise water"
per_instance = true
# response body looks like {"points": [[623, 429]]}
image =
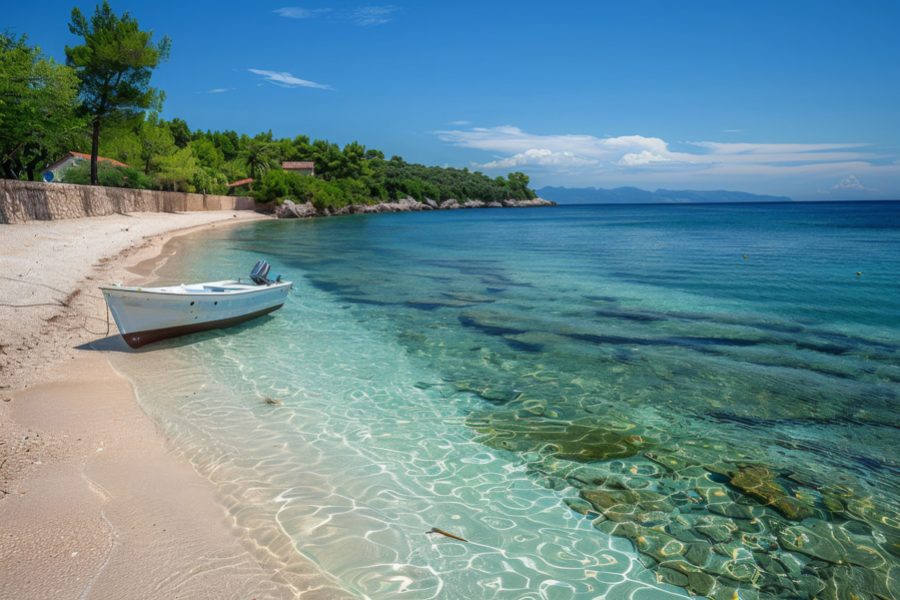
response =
{"points": [[603, 400]]}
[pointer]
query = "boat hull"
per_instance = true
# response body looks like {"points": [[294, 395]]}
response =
{"points": [[142, 338], [144, 316]]}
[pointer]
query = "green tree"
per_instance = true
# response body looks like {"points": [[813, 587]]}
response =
{"points": [[120, 142], [156, 141], [209, 155], [302, 147], [37, 108], [180, 131], [258, 158], [114, 65], [518, 185], [177, 171], [209, 181], [328, 158]]}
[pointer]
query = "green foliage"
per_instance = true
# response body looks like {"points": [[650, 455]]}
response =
{"points": [[180, 131], [109, 175], [114, 65], [362, 175], [257, 154], [37, 108], [279, 185], [518, 185], [208, 181], [156, 143], [177, 171], [119, 142]]}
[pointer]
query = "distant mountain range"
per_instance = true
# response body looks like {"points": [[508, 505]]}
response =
{"points": [[632, 195]]}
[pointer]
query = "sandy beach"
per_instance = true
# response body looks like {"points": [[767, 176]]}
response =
{"points": [[92, 504]]}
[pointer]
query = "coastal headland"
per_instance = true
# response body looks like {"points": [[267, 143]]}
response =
{"points": [[22, 201], [289, 209], [93, 504]]}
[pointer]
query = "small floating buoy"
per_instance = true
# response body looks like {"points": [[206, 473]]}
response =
{"points": [[859, 273], [445, 534]]}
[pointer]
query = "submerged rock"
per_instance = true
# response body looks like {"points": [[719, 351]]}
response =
{"points": [[856, 583], [580, 506], [522, 430], [812, 540], [626, 501], [717, 529], [759, 483], [700, 583]]}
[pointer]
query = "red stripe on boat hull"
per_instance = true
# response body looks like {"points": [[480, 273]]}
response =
{"points": [[141, 338]]}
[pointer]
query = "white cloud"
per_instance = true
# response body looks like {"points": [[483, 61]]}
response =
{"points": [[366, 16], [541, 157], [574, 159], [285, 79], [363, 16], [218, 90], [637, 152], [644, 157], [569, 150], [460, 123], [851, 182], [296, 12]]}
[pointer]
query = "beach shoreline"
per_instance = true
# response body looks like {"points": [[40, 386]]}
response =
{"points": [[93, 504]]}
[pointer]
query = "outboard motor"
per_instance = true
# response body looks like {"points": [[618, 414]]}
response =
{"points": [[260, 273]]}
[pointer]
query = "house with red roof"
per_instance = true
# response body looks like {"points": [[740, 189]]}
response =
{"points": [[303, 167], [54, 171]]}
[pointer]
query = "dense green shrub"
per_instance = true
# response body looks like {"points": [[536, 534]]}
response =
{"points": [[277, 184], [109, 175]]}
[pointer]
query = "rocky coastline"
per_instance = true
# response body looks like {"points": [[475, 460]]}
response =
{"points": [[292, 210]]}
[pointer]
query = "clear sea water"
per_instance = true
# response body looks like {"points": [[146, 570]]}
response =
{"points": [[605, 401]]}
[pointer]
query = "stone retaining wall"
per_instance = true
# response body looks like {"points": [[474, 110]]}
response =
{"points": [[22, 201]]}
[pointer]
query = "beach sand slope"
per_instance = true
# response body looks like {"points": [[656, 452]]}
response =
{"points": [[92, 504]]}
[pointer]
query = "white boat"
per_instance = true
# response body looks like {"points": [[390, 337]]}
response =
{"points": [[145, 315]]}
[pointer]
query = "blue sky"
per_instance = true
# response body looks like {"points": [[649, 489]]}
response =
{"points": [[798, 98]]}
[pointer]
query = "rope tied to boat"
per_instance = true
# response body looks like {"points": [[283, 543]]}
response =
{"points": [[86, 317]]}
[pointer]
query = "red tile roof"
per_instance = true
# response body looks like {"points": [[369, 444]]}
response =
{"points": [[298, 164], [115, 163], [84, 156], [241, 182]]}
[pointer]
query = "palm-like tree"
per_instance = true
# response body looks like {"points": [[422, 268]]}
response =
{"points": [[258, 157]]}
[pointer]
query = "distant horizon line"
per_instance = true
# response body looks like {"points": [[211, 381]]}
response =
{"points": [[835, 201], [605, 195]]}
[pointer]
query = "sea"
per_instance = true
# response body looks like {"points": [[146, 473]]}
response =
{"points": [[625, 402]]}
